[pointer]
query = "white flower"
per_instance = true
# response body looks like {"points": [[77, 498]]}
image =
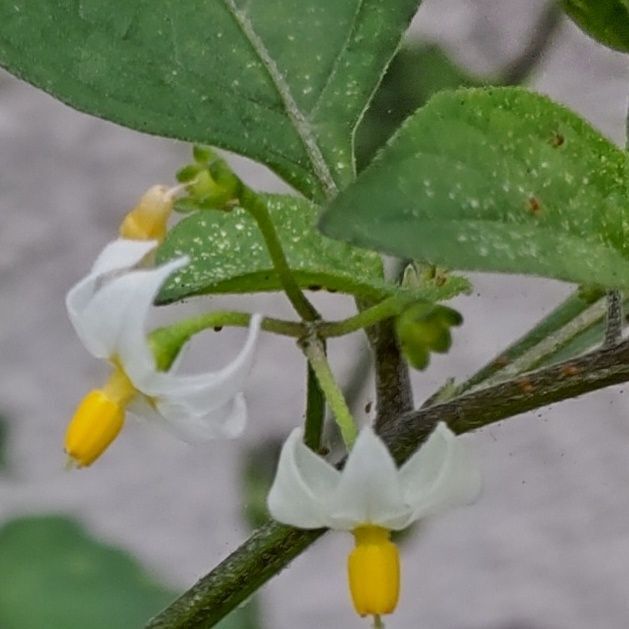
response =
{"points": [[108, 309], [370, 497]]}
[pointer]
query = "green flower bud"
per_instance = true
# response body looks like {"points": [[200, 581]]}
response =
{"points": [[423, 328], [202, 154]]}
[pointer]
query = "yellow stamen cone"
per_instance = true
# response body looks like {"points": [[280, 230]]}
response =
{"points": [[374, 572], [95, 424], [148, 219], [98, 419]]}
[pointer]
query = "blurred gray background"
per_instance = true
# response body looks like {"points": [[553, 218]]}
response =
{"points": [[547, 544]]}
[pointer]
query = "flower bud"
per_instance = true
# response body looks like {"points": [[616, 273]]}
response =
{"points": [[148, 219], [424, 327]]}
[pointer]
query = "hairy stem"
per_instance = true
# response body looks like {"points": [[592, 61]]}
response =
{"points": [[614, 321], [166, 342], [550, 345], [394, 394], [272, 547], [315, 352], [561, 316], [256, 206], [368, 317]]}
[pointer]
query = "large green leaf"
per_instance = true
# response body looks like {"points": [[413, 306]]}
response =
{"points": [[282, 81], [54, 576], [605, 20], [495, 180], [228, 255]]}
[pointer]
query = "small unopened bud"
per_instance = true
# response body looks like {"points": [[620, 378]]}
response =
{"points": [[148, 219], [423, 328]]}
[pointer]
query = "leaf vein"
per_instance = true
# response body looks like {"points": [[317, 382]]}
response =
{"points": [[299, 121]]}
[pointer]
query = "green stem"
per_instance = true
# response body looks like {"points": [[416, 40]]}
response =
{"points": [[614, 323], [315, 411], [272, 547], [389, 307], [167, 341], [551, 344], [561, 316], [256, 206], [314, 350]]}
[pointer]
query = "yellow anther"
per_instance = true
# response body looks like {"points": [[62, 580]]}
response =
{"points": [[148, 219], [374, 571], [95, 424], [98, 420]]}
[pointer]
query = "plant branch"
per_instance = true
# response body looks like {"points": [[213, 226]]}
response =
{"points": [[394, 393], [551, 344], [389, 307], [614, 318], [273, 546], [167, 341], [256, 206], [561, 316], [315, 352]]}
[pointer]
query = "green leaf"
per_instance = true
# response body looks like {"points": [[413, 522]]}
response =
{"points": [[417, 72], [495, 180], [282, 81], [228, 255], [55, 576], [604, 20]]}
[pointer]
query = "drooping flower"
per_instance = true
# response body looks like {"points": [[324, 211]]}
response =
{"points": [[370, 497], [108, 309]]}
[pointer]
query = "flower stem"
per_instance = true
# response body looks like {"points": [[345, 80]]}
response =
{"points": [[166, 342], [256, 206], [378, 623], [387, 308], [315, 352]]}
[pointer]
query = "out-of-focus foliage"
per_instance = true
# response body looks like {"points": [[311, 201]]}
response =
{"points": [[53, 575], [604, 20]]}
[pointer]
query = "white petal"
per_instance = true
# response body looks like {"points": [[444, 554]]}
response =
{"points": [[93, 326], [122, 254], [369, 490], [226, 422], [196, 395], [302, 483], [439, 475], [113, 319], [223, 422]]}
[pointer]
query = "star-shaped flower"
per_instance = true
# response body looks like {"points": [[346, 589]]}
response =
{"points": [[371, 496], [108, 309]]}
